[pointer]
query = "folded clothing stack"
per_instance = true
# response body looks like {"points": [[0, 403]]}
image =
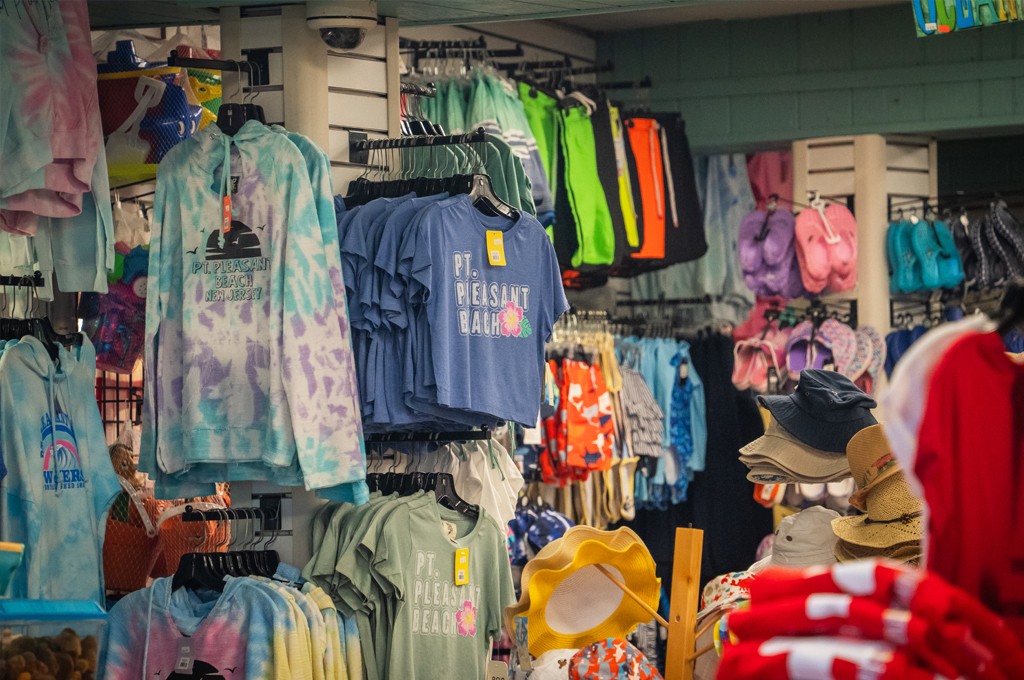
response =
{"points": [[869, 618], [809, 430]]}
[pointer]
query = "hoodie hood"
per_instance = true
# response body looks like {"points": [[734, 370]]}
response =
{"points": [[215, 144], [34, 355]]}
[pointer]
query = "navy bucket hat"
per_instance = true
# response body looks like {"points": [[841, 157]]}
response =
{"points": [[824, 412]]}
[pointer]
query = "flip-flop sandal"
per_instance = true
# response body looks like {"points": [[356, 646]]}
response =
{"points": [[869, 378], [778, 242], [842, 253], [968, 258], [979, 244], [926, 248], [744, 352], [794, 285], [750, 247], [1000, 262], [951, 271], [798, 349], [838, 283], [802, 353], [861, 359], [841, 341], [1010, 230], [812, 250], [1006, 243], [908, 271]]}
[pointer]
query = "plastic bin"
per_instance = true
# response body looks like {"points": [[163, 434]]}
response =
{"points": [[50, 639]]}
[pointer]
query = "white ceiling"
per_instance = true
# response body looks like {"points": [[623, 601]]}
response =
{"points": [[708, 10]]}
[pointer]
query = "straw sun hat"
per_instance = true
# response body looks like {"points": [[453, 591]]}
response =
{"points": [[567, 600], [893, 513]]}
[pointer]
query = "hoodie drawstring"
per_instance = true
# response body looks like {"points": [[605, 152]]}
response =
{"points": [[149, 623], [51, 402]]}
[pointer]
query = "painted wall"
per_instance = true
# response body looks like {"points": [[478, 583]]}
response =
{"points": [[761, 83]]}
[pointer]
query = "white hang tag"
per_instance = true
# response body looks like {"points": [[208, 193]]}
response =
{"points": [[450, 530], [186, 657], [531, 435], [496, 670]]}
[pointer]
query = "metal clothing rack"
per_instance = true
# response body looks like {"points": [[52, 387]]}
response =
{"points": [[419, 89], [359, 148], [268, 514], [258, 74], [642, 84], [669, 302], [482, 434], [561, 65], [443, 49], [23, 280]]}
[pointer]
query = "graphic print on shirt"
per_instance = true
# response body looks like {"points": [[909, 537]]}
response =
{"points": [[439, 607], [58, 449], [489, 309], [200, 671], [230, 262]]}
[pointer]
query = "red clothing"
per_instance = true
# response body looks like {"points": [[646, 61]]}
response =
{"points": [[970, 458], [937, 646], [818, 658], [948, 611]]}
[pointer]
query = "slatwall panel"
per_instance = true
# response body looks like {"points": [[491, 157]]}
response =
{"points": [[357, 101], [264, 32], [829, 166]]}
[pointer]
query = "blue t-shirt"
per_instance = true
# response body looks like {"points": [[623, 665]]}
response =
{"points": [[488, 324]]}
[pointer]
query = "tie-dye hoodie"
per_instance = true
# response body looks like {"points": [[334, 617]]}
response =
{"points": [[59, 482], [248, 363], [243, 633]]}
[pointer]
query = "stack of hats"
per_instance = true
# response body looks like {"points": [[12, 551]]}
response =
{"points": [[892, 526], [804, 539], [569, 602], [809, 430], [865, 619]]}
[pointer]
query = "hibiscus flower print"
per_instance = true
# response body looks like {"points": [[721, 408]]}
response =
{"points": [[511, 320], [466, 619], [513, 323]]}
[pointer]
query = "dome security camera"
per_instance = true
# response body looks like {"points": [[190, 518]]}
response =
{"points": [[342, 23]]}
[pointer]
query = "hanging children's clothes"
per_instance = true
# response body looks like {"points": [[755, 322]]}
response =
{"points": [[249, 370], [256, 629], [397, 563], [59, 483], [440, 321]]}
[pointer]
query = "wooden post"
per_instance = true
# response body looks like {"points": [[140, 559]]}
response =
{"points": [[682, 620]]}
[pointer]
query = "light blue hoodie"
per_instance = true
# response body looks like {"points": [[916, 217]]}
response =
{"points": [[60, 482], [249, 371]]}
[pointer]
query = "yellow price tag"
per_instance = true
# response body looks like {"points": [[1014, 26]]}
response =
{"points": [[496, 248], [462, 566]]}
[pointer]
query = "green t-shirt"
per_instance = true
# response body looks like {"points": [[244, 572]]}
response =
{"points": [[439, 627]]}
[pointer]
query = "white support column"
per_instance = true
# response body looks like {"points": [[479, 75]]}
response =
{"points": [[304, 71], [871, 203], [394, 90]]}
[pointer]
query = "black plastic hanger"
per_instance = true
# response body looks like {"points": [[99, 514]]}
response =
{"points": [[231, 117], [444, 490], [196, 570]]}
